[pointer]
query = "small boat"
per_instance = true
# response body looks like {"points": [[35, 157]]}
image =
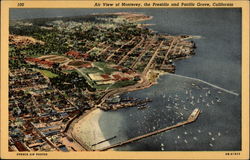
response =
{"points": [[142, 107], [192, 102], [185, 141], [193, 116], [198, 101], [218, 99], [168, 107]]}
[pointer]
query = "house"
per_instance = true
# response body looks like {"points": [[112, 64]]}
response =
{"points": [[105, 76], [39, 61], [74, 54], [87, 65], [117, 76], [20, 146], [85, 55]]}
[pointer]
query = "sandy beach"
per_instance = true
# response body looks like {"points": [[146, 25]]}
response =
{"points": [[88, 132]]}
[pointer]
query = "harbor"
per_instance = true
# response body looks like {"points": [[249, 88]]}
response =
{"points": [[170, 105]]}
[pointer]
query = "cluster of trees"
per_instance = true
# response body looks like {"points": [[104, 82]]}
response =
{"points": [[55, 42], [16, 60], [69, 81], [122, 32]]}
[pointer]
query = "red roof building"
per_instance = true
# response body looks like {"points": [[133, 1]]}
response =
{"points": [[87, 65], [105, 76], [74, 54], [124, 79], [39, 61], [33, 59], [46, 63], [85, 55], [20, 146], [117, 76], [118, 67], [130, 72]]}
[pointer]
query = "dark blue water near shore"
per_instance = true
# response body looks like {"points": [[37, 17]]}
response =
{"points": [[218, 61]]}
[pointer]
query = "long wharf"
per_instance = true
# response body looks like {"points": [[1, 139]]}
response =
{"points": [[193, 116]]}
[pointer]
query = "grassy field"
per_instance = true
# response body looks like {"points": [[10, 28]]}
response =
{"points": [[91, 70], [104, 67], [118, 84], [99, 67], [47, 73]]}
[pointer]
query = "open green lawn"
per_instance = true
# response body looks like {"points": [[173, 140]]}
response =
{"points": [[104, 67], [118, 84], [47, 73], [99, 67], [90, 70], [123, 83]]}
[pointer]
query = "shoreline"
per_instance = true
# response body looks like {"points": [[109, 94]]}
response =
{"points": [[77, 129], [96, 112], [75, 122]]}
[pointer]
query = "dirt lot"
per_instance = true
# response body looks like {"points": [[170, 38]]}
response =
{"points": [[23, 40]]}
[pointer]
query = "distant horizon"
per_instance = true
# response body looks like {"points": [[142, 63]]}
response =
{"points": [[74, 16], [34, 13]]}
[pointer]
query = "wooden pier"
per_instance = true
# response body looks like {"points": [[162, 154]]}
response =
{"points": [[193, 116]]}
